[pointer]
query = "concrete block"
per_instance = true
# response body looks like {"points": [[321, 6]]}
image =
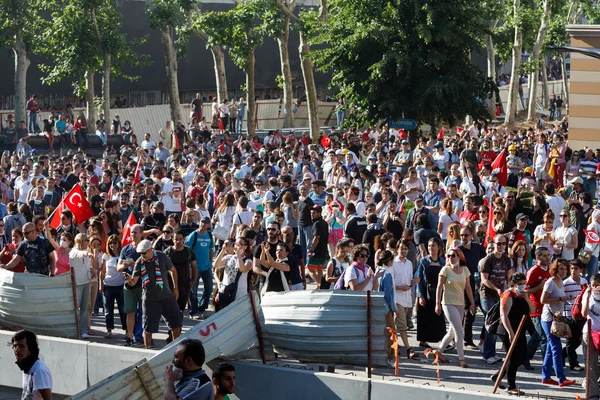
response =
{"points": [[257, 381], [387, 390], [105, 360]]}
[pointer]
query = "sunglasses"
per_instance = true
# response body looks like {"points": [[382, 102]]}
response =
{"points": [[453, 255], [563, 215], [500, 243], [363, 255], [272, 229], [497, 213]]}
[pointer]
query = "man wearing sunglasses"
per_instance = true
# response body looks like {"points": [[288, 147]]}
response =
{"points": [[495, 271], [259, 266], [35, 252]]}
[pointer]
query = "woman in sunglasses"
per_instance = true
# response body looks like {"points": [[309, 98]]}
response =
{"points": [[359, 276], [165, 239], [454, 283]]}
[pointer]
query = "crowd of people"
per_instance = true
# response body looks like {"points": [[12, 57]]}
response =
{"points": [[432, 221]]}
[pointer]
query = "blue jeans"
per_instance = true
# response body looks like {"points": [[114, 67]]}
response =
{"points": [[82, 136], [340, 117], [207, 280], [138, 328], [538, 339], [553, 355], [305, 234], [558, 113], [112, 293], [102, 136], [592, 268], [33, 122], [589, 185], [489, 344], [83, 300], [238, 123]]}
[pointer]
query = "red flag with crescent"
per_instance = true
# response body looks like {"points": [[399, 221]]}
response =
{"points": [[441, 134], [591, 236], [126, 237], [78, 204], [136, 179]]}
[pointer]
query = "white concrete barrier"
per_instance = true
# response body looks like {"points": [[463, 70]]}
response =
{"points": [[75, 364]]}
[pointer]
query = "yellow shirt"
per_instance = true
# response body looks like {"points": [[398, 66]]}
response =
{"points": [[454, 287]]}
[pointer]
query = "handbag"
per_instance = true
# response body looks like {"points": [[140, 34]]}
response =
{"points": [[584, 256], [220, 232], [560, 327], [286, 288], [228, 295]]}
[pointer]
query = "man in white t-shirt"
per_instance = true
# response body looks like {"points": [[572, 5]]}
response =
{"points": [[37, 379], [173, 190], [148, 144]]}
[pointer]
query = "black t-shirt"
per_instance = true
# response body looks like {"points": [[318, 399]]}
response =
{"points": [[395, 227], [36, 254], [321, 229], [355, 228], [155, 289], [197, 104], [182, 261], [497, 270], [294, 259], [272, 251], [304, 206], [275, 283], [71, 181]]}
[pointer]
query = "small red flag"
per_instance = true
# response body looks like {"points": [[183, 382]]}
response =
{"points": [[402, 207], [138, 169], [76, 202], [109, 194], [459, 130], [325, 142], [499, 166], [491, 231], [56, 214], [591, 236], [441, 134], [126, 235]]}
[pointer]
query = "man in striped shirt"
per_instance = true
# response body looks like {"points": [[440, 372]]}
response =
{"points": [[587, 169], [573, 285]]}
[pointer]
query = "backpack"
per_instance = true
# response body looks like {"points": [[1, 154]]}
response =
{"points": [[578, 305], [341, 283]]}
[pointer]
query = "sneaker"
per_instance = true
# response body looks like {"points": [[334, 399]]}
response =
{"points": [[577, 368], [85, 336], [480, 347], [391, 363], [200, 316], [129, 342], [567, 382], [549, 382], [491, 360], [498, 359], [471, 346]]}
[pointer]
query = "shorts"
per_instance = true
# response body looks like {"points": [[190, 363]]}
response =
{"points": [[335, 235], [316, 263], [152, 311], [400, 321], [131, 298]]}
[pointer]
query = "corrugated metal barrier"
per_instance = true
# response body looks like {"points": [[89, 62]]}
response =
{"points": [[324, 326], [39, 303]]}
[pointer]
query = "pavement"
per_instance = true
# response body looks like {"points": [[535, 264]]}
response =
{"points": [[421, 371]]}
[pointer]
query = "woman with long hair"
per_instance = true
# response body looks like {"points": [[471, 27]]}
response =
{"points": [[431, 327], [566, 238], [500, 222], [290, 213], [543, 234], [62, 248], [111, 285], [97, 229], [95, 249], [519, 256], [454, 282], [9, 251], [447, 216], [482, 223], [223, 217], [572, 167], [452, 236], [337, 264], [334, 216], [412, 186], [559, 162], [553, 298], [108, 224], [81, 261], [238, 262]]}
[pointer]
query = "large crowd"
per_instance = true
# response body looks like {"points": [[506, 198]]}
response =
{"points": [[444, 224]]}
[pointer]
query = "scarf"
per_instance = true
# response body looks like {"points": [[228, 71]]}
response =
{"points": [[157, 274], [27, 363], [361, 267]]}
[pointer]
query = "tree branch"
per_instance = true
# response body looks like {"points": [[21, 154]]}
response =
{"points": [[287, 11]]}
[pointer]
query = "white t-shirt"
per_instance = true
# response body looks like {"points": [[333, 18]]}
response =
{"points": [[81, 264], [556, 204], [231, 270], [403, 275], [243, 217], [38, 378], [173, 202], [563, 236], [112, 276], [224, 110], [356, 273], [441, 159], [24, 186], [539, 231], [446, 220]]}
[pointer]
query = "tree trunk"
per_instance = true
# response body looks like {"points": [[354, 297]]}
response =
{"points": [[90, 112], [21, 65], [308, 72], [106, 86], [565, 87], [171, 69], [545, 98], [251, 94], [491, 71], [535, 56], [286, 72], [221, 77], [513, 93]]}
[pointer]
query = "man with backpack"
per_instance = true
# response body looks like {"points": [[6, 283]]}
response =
{"points": [[201, 242]]}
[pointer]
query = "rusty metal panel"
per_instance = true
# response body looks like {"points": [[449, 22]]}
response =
{"points": [[268, 114], [39, 303], [326, 326]]}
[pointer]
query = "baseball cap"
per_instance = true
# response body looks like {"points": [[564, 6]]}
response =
{"points": [[13, 169], [339, 152], [576, 180], [438, 145], [207, 220], [221, 147], [419, 197], [521, 216], [528, 170], [307, 176], [143, 246], [404, 141], [317, 208]]}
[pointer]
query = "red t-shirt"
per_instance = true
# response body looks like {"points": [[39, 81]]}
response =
{"points": [[468, 215], [487, 157], [535, 276]]}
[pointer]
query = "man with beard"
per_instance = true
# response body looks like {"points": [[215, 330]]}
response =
{"points": [[318, 253], [297, 277], [193, 382], [259, 267], [184, 261], [419, 209]]}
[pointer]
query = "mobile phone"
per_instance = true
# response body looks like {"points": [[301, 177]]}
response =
{"points": [[229, 244]]}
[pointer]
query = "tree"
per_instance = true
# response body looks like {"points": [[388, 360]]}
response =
{"points": [[239, 30], [535, 59], [19, 22], [168, 15], [513, 91], [404, 58]]}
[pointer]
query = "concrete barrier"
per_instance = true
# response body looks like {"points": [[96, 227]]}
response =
{"points": [[75, 364]]}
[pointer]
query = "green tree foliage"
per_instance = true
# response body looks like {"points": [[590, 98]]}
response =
{"points": [[406, 58]]}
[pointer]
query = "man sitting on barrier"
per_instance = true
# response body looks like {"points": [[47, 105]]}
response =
{"points": [[193, 383]]}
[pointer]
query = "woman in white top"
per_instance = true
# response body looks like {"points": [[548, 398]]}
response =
{"points": [[111, 285], [565, 237], [447, 216], [338, 264], [412, 186], [543, 234], [223, 217], [95, 248], [81, 261], [235, 259], [359, 276]]}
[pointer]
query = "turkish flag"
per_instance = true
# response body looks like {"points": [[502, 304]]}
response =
{"points": [[441, 134], [591, 236], [109, 194], [138, 169], [459, 130], [56, 214], [499, 167], [402, 207], [126, 235], [78, 204], [325, 141], [491, 231]]}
